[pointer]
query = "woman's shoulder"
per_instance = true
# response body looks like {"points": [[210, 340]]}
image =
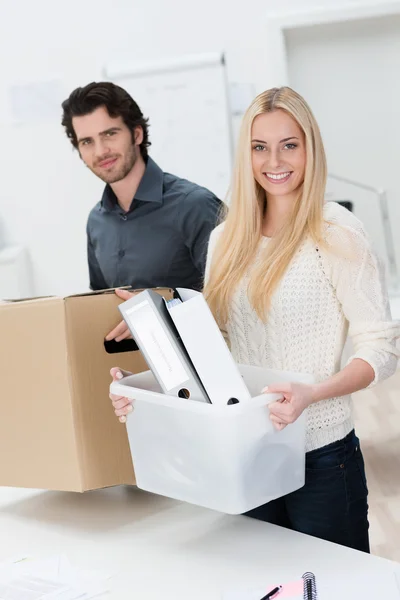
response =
{"points": [[215, 234], [336, 214], [345, 235], [341, 225], [212, 242]]}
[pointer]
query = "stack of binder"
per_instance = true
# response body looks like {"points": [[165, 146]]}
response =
{"points": [[184, 347]]}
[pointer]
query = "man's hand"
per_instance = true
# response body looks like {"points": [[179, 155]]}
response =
{"points": [[122, 406], [121, 331]]}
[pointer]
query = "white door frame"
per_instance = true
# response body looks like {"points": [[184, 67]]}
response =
{"points": [[276, 61]]}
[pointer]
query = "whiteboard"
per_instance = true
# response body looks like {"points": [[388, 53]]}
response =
{"points": [[186, 101]]}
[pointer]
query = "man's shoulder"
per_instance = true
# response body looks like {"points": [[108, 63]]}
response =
{"points": [[95, 210], [95, 215], [187, 191]]}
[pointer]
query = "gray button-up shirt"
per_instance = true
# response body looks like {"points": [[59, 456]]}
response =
{"points": [[160, 242]]}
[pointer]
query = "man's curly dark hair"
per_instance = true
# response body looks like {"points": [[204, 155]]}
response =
{"points": [[84, 100]]}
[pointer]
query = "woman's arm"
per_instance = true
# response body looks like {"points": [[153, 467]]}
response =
{"points": [[296, 397], [357, 277], [357, 375]]}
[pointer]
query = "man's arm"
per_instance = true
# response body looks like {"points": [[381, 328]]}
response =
{"points": [[201, 215], [96, 277]]}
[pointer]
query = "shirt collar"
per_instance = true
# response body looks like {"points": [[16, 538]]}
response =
{"points": [[150, 187]]}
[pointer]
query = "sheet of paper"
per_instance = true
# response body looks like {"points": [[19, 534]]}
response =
{"points": [[397, 577], [30, 588], [59, 568], [52, 578]]}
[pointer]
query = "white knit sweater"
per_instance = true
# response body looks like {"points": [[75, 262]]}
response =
{"points": [[321, 298]]}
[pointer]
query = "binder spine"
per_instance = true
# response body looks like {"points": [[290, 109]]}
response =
{"points": [[309, 587]]}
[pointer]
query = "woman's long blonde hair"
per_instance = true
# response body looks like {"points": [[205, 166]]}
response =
{"points": [[237, 244]]}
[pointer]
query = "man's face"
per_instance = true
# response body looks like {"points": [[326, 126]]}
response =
{"points": [[105, 144]]}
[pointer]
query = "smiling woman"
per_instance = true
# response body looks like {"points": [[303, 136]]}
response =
{"points": [[287, 277], [281, 166]]}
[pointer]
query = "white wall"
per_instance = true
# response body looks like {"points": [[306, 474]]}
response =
{"points": [[68, 42], [348, 73]]}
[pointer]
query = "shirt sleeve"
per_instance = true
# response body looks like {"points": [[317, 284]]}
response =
{"points": [[358, 278], [202, 210], [96, 277]]}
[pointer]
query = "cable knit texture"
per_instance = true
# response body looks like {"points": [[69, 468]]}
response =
{"points": [[322, 297]]}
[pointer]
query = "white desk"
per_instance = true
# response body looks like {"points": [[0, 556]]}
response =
{"points": [[161, 549]]}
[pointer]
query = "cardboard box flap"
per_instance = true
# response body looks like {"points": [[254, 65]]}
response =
{"points": [[14, 301], [93, 293], [112, 291]]}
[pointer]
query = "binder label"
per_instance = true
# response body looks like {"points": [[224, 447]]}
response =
{"points": [[158, 347]]}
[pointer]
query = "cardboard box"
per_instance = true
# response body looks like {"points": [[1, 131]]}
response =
{"points": [[58, 430]]}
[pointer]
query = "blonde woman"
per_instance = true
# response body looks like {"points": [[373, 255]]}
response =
{"points": [[287, 278]]}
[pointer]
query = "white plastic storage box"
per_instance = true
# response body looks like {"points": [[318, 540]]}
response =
{"points": [[227, 458]]}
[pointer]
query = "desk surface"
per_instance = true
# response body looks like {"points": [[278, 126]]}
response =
{"points": [[158, 548]]}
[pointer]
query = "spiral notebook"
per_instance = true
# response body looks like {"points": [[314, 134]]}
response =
{"points": [[302, 589], [361, 584]]}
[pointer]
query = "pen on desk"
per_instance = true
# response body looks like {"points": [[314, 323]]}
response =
{"points": [[272, 593]]}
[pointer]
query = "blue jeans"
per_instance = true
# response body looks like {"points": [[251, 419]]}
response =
{"points": [[332, 505]]}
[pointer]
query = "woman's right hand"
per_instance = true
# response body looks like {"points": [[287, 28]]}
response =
{"points": [[122, 406]]}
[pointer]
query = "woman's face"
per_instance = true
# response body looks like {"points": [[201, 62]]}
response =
{"points": [[278, 153]]}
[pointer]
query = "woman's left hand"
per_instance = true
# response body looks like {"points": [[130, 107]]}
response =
{"points": [[296, 398]]}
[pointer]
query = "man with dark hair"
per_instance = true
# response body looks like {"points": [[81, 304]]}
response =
{"points": [[151, 228]]}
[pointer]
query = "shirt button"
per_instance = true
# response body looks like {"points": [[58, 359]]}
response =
{"points": [[124, 217], [121, 253]]}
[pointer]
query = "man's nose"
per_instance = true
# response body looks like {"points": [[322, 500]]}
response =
{"points": [[101, 148]]}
